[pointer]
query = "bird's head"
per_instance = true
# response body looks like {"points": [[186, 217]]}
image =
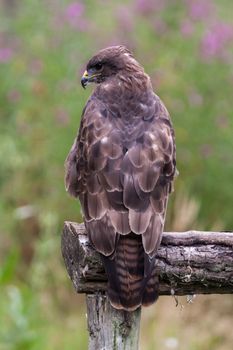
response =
{"points": [[107, 63]]}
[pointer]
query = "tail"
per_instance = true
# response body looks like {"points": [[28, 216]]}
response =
{"points": [[132, 279]]}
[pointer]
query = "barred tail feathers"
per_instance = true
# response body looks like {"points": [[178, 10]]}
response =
{"points": [[131, 278]]}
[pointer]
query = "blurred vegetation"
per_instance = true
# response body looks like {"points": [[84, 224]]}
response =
{"points": [[186, 47]]}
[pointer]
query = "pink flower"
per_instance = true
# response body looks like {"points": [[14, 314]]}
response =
{"points": [[125, 18], [186, 28], [74, 15], [200, 9], [147, 6], [74, 10], [160, 26], [215, 40], [6, 54]]}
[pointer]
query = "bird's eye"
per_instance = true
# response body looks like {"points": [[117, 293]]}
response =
{"points": [[98, 66]]}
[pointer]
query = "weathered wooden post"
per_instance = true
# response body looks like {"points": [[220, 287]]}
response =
{"points": [[110, 328], [188, 263]]}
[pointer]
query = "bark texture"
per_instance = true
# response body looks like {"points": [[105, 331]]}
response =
{"points": [[111, 329], [190, 262]]}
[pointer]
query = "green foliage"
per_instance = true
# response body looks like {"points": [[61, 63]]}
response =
{"points": [[17, 331], [186, 47]]}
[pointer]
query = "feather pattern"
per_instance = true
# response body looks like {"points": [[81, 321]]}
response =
{"points": [[121, 167]]}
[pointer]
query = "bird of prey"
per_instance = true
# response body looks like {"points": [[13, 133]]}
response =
{"points": [[121, 167]]}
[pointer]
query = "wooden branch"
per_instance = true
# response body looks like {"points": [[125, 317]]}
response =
{"points": [[188, 263]]}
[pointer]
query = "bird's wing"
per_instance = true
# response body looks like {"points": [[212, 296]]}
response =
{"points": [[149, 168], [122, 187]]}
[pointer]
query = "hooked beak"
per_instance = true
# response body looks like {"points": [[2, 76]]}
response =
{"points": [[84, 80], [89, 77]]}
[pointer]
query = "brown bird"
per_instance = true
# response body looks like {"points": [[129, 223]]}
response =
{"points": [[121, 167]]}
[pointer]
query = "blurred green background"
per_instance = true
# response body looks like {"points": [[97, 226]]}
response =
{"points": [[186, 46]]}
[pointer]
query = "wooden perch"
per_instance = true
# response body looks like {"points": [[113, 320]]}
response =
{"points": [[190, 262]]}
